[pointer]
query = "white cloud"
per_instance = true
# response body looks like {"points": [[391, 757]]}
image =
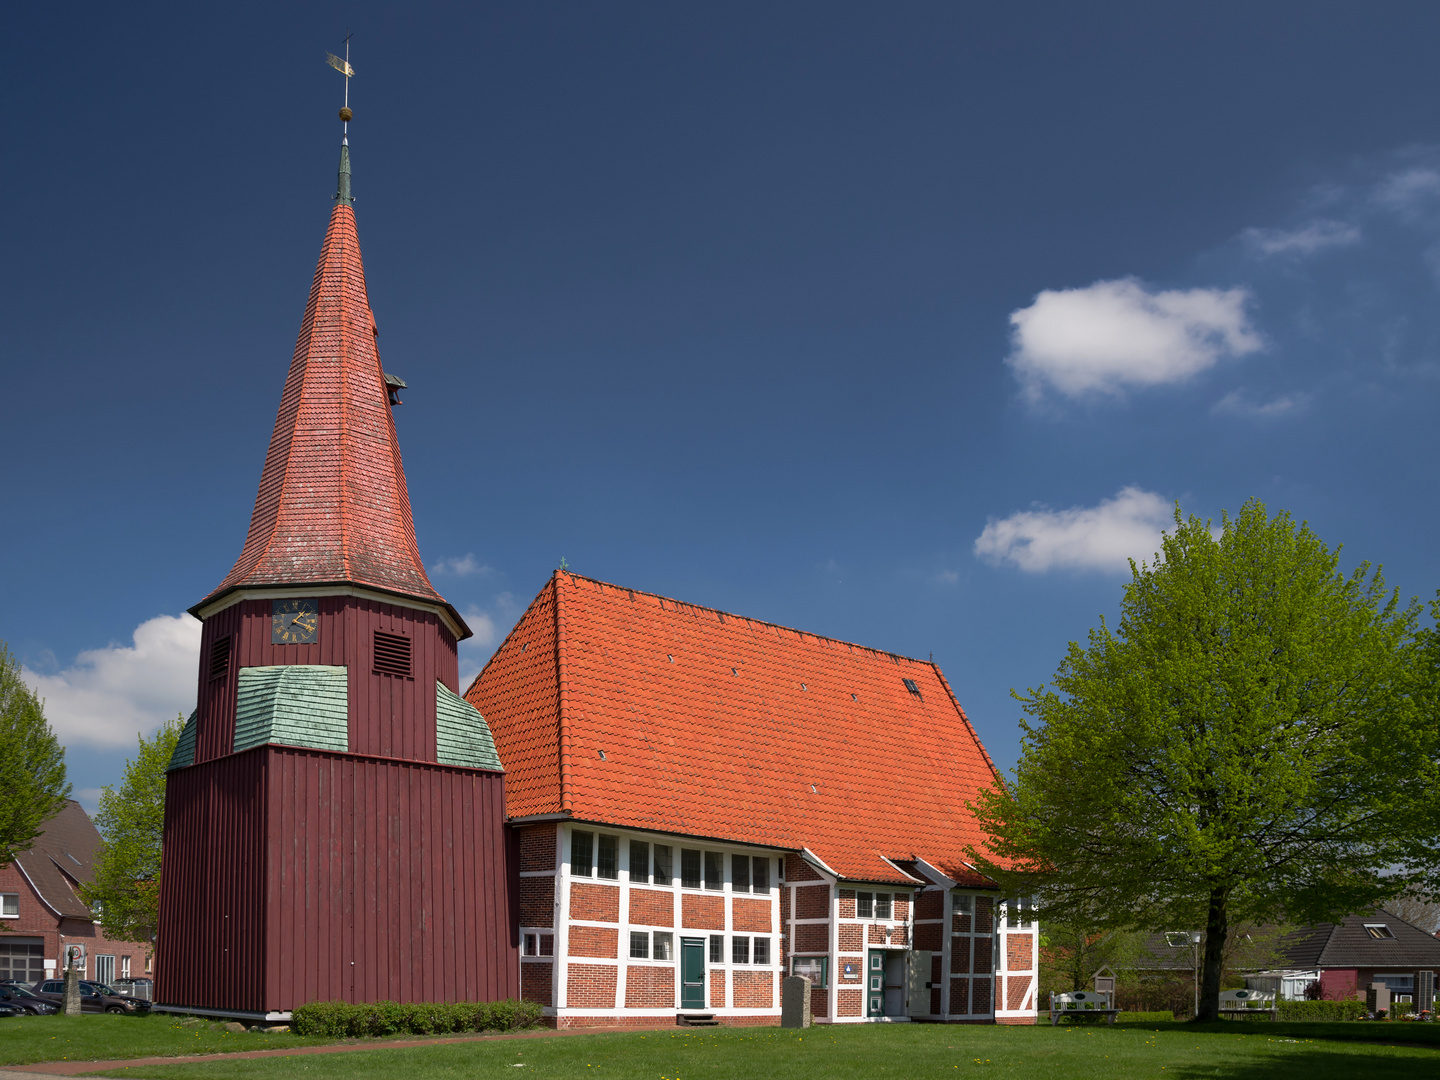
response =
{"points": [[1111, 335], [89, 798], [1407, 190], [1303, 241], [464, 566], [1240, 403], [108, 696], [489, 626], [1103, 537]]}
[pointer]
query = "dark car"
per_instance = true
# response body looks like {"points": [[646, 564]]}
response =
{"points": [[21, 996], [94, 997], [7, 1009]]}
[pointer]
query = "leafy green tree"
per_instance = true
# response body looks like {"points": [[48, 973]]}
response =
{"points": [[1071, 951], [126, 884], [32, 763], [1246, 746]]}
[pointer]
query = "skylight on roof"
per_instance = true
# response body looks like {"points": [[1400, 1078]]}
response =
{"points": [[854, 698], [1378, 930], [910, 685], [670, 657]]}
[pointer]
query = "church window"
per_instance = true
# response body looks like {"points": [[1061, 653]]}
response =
{"points": [[662, 945], [882, 905], [964, 903], [740, 873], [532, 944], [717, 948], [639, 861], [663, 865], [582, 846], [689, 868], [392, 655], [762, 950], [547, 944], [639, 945], [714, 870], [864, 905], [740, 950], [607, 862]]}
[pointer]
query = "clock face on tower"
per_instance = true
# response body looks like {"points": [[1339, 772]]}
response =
{"points": [[294, 622]]}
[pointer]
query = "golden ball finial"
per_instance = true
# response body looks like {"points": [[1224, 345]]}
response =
{"points": [[346, 114]]}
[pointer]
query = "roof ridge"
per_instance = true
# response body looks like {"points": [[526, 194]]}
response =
{"points": [[748, 618], [567, 803]]}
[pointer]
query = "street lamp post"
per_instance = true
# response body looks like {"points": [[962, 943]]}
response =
{"points": [[1179, 939]]}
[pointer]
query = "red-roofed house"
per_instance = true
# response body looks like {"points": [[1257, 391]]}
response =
{"points": [[707, 802]]}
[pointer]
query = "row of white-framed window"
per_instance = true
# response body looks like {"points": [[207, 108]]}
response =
{"points": [[660, 945], [593, 855]]}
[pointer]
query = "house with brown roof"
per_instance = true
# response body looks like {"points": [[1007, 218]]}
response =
{"points": [[707, 802], [1345, 957], [41, 913]]}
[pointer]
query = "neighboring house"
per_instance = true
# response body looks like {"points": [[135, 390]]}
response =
{"points": [[1347, 956], [707, 802], [41, 913]]}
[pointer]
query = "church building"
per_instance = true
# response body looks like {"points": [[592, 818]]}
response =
{"points": [[677, 808]]}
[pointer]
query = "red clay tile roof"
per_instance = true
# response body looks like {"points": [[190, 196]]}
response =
{"points": [[715, 725], [333, 505]]}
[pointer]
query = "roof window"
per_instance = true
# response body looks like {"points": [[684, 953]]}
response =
{"points": [[813, 791], [854, 698], [802, 686], [910, 685], [734, 672], [1378, 930], [670, 657], [602, 756]]}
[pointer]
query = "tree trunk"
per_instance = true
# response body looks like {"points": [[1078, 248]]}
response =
{"points": [[1212, 961]]}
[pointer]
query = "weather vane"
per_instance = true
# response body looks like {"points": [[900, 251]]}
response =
{"points": [[343, 66]]}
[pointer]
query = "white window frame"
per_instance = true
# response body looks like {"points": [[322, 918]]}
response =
{"points": [[5, 900]]}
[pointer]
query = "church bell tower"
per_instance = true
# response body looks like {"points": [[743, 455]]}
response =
{"points": [[334, 817]]}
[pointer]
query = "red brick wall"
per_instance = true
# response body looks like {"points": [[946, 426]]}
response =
{"points": [[650, 907], [1019, 951], [536, 981], [537, 901], [36, 920], [984, 912], [784, 906], [591, 986], [849, 1002], [649, 987], [852, 938], [877, 934], [702, 912], [928, 936], [931, 905], [980, 995], [959, 997], [960, 955], [847, 903], [819, 1002], [1016, 986], [537, 847], [812, 937], [900, 937], [960, 922], [984, 962], [797, 869], [601, 941], [935, 1000], [717, 988], [752, 989], [812, 902], [596, 903], [752, 916], [902, 907]]}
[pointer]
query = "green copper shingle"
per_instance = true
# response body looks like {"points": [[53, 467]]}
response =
{"points": [[461, 735], [294, 705], [184, 754]]}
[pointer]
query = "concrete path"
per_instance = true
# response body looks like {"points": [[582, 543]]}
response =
{"points": [[45, 1070]]}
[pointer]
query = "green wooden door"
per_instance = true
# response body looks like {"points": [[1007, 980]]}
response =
{"points": [[692, 973], [875, 983]]}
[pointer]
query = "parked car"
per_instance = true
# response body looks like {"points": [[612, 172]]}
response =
{"points": [[94, 997], [7, 1009], [21, 996], [136, 988]]}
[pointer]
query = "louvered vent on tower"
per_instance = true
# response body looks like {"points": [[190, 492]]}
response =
{"points": [[392, 655], [220, 658]]}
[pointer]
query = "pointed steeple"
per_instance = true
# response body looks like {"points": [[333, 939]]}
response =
{"points": [[333, 506]]}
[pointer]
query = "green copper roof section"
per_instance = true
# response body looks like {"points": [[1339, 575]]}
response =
{"points": [[461, 735], [294, 705], [342, 191], [184, 754]]}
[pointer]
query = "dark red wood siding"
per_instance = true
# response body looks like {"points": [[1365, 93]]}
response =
{"points": [[295, 875], [389, 717]]}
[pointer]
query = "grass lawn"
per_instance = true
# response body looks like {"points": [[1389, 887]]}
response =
{"points": [[902, 1050], [98, 1036]]}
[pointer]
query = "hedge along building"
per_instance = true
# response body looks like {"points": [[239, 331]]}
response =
{"points": [[334, 816], [706, 802]]}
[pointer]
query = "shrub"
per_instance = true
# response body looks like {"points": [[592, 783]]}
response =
{"points": [[340, 1020], [1145, 1017], [1320, 1010]]}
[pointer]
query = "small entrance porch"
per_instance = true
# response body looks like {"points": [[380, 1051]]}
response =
{"points": [[886, 984]]}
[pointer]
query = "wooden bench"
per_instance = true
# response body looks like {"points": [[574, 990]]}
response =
{"points": [[1248, 1003], [1078, 1003]]}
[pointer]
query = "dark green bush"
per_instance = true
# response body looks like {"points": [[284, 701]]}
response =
{"points": [[340, 1020], [1320, 1010]]}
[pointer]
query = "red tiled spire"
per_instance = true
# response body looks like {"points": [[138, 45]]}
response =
{"points": [[332, 505]]}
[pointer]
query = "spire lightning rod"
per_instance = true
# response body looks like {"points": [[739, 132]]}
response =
{"points": [[343, 66]]}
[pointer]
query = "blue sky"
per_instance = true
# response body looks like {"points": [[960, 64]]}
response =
{"points": [[902, 323]]}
